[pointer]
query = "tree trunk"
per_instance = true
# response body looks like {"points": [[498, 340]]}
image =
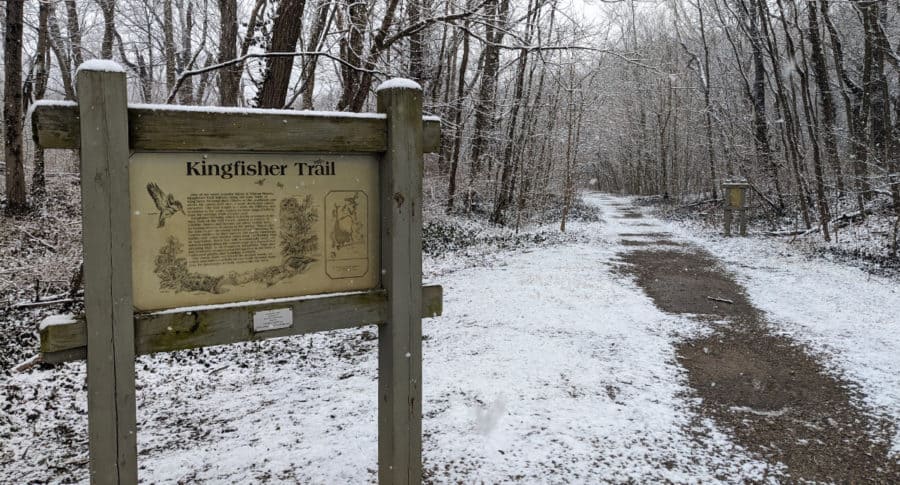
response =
{"points": [[41, 75], [12, 109], [285, 33], [416, 41], [145, 76], [377, 47], [877, 90], [813, 131], [62, 59], [866, 131], [457, 119], [351, 45], [760, 123], [108, 7], [826, 99], [505, 196], [573, 138], [486, 103], [707, 88], [852, 95], [508, 165], [894, 179], [314, 44], [186, 94], [229, 77], [786, 107], [169, 45], [74, 30]]}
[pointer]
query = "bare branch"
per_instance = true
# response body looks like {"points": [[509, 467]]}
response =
{"points": [[186, 74]]}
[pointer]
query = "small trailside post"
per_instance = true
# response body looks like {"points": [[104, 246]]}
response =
{"points": [[102, 103], [735, 200], [400, 339]]}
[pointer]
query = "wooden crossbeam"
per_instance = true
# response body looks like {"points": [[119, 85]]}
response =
{"points": [[173, 128], [187, 329]]}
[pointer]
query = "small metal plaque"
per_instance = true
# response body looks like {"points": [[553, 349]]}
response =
{"points": [[272, 319]]}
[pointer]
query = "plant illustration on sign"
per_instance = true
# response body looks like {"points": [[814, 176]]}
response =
{"points": [[172, 269], [298, 238]]}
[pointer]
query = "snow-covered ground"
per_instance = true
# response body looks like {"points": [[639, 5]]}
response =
{"points": [[548, 366]]}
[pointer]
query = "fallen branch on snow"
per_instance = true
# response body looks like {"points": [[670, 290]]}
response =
{"points": [[28, 364], [723, 300], [36, 304], [796, 232], [38, 240]]}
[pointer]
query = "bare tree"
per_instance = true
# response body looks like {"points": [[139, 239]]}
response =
{"points": [[41, 73], [285, 33], [229, 77], [108, 8], [12, 109]]}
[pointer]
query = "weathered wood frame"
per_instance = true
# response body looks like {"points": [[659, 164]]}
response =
{"points": [[740, 189], [106, 129]]}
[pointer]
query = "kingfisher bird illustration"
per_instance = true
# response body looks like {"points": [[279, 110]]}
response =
{"points": [[166, 204]]}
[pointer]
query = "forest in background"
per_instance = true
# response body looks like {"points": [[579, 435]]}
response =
{"points": [[537, 97]]}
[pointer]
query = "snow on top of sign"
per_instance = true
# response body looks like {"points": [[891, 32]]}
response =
{"points": [[105, 65], [54, 102], [49, 102], [398, 83], [228, 109], [64, 319], [249, 111]]}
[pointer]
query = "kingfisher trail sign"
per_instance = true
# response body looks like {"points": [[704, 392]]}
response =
{"points": [[210, 226]]}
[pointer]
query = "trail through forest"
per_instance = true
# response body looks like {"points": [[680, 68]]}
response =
{"points": [[776, 399], [640, 351]]}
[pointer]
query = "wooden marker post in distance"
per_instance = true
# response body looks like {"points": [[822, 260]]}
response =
{"points": [[735, 200]]}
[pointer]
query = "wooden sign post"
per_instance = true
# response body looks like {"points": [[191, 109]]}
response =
{"points": [[400, 342], [103, 109], [735, 200], [254, 208]]}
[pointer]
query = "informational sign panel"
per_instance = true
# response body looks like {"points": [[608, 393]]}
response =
{"points": [[735, 197], [210, 228]]}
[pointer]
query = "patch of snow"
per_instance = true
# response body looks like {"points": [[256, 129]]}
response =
{"points": [[55, 102], [105, 65], [49, 102], [769, 414], [398, 83], [62, 319]]}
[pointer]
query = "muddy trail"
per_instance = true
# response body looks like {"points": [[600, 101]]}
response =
{"points": [[773, 396]]}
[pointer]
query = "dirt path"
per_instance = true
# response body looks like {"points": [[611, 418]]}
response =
{"points": [[775, 398]]}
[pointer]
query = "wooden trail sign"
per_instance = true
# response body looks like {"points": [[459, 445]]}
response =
{"points": [[211, 227], [244, 212], [735, 201]]}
